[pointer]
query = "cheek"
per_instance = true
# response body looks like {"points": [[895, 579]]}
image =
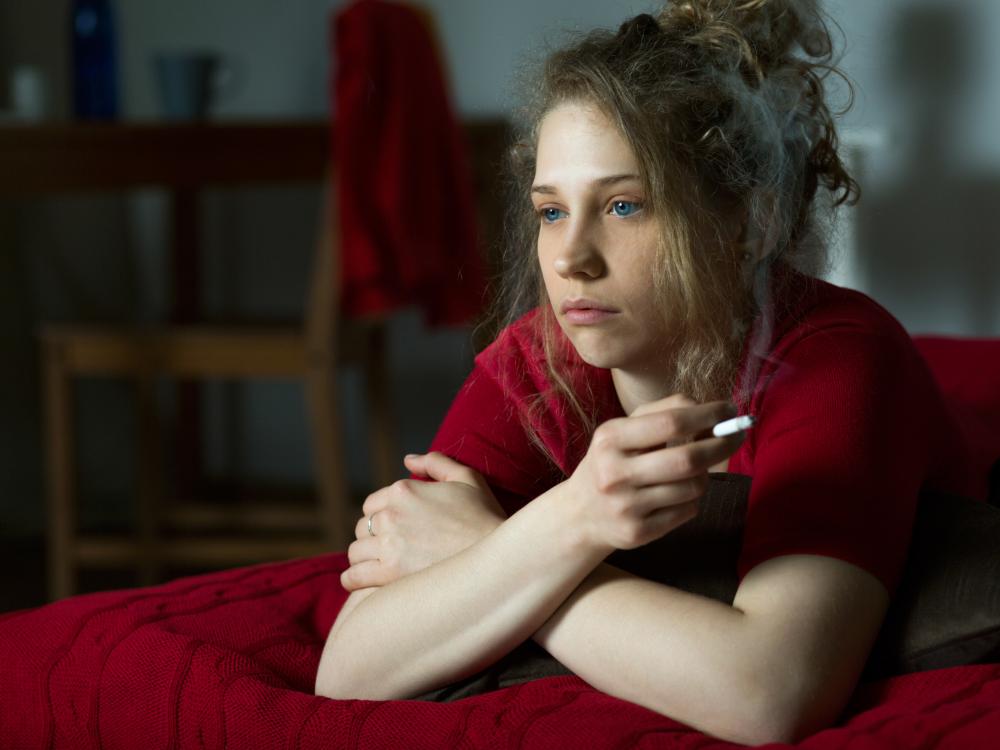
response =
{"points": [[551, 282], [637, 279], [543, 251], [641, 266], [645, 304], [546, 265]]}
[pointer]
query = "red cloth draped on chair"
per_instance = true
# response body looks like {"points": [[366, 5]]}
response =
{"points": [[407, 211]]}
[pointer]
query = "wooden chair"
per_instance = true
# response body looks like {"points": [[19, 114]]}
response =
{"points": [[311, 353]]}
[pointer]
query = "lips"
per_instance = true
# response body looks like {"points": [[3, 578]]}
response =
{"points": [[582, 303], [586, 312]]}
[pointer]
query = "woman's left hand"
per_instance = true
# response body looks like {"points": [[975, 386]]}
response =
{"points": [[415, 524]]}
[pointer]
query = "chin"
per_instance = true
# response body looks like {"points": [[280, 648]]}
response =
{"points": [[599, 348], [599, 356], [611, 354]]}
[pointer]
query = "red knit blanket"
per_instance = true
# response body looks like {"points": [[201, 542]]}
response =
{"points": [[228, 660]]}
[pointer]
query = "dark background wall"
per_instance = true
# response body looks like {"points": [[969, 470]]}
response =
{"points": [[924, 241]]}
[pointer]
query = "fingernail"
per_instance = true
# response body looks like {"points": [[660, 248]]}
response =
{"points": [[410, 455]]}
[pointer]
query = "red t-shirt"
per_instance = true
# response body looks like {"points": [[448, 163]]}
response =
{"points": [[850, 426]]}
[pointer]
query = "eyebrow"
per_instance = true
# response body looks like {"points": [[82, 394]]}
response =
{"points": [[602, 182]]}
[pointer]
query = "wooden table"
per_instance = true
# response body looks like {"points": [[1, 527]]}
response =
{"points": [[181, 158], [184, 158], [113, 156]]}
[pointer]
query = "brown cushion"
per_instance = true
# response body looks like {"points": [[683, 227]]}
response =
{"points": [[946, 611]]}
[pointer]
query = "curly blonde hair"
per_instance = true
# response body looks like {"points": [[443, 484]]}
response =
{"points": [[723, 103]]}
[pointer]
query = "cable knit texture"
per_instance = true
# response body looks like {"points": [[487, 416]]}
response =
{"points": [[228, 660]]}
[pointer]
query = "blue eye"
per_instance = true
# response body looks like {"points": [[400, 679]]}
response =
{"points": [[550, 215], [625, 208]]}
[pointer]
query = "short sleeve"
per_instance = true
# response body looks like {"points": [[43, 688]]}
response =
{"points": [[838, 452], [483, 430]]}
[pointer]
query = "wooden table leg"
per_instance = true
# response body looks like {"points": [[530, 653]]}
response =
{"points": [[150, 479], [386, 462], [186, 309], [62, 473], [337, 511]]}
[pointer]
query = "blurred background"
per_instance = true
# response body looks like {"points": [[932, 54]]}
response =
{"points": [[923, 138]]}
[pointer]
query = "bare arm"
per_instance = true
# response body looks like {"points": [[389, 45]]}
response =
{"points": [[776, 666], [454, 618], [778, 663]]}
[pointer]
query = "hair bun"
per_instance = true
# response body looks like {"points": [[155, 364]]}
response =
{"points": [[636, 33], [639, 28], [760, 36]]}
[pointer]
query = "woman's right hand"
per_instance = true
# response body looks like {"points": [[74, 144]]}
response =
{"points": [[643, 474]]}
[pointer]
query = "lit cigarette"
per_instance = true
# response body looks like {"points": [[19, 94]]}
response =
{"points": [[734, 425]]}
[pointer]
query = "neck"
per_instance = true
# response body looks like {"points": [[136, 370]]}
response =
{"points": [[635, 389]]}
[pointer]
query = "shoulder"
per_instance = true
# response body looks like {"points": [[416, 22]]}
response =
{"points": [[486, 428], [833, 349], [823, 335], [818, 308], [516, 358], [518, 365]]}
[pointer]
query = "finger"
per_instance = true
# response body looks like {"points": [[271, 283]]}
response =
{"points": [[441, 468], [676, 401], [364, 530], [378, 500], [680, 462], [361, 528], [361, 550], [658, 496], [665, 520], [414, 463], [658, 428], [363, 575]]}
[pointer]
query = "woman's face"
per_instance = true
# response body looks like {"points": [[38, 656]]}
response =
{"points": [[597, 241]]}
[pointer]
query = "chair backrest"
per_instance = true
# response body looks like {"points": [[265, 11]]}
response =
{"points": [[322, 312], [487, 141]]}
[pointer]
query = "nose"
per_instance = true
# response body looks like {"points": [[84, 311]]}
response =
{"points": [[579, 254]]}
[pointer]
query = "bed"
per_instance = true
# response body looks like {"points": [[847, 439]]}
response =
{"points": [[228, 659]]}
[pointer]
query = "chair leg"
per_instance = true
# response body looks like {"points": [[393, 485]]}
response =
{"points": [[383, 446], [149, 481], [338, 514], [62, 475]]}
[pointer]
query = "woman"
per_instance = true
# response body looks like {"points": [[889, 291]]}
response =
{"points": [[671, 172]]}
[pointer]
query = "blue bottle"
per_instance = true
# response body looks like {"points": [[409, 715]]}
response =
{"points": [[95, 61]]}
